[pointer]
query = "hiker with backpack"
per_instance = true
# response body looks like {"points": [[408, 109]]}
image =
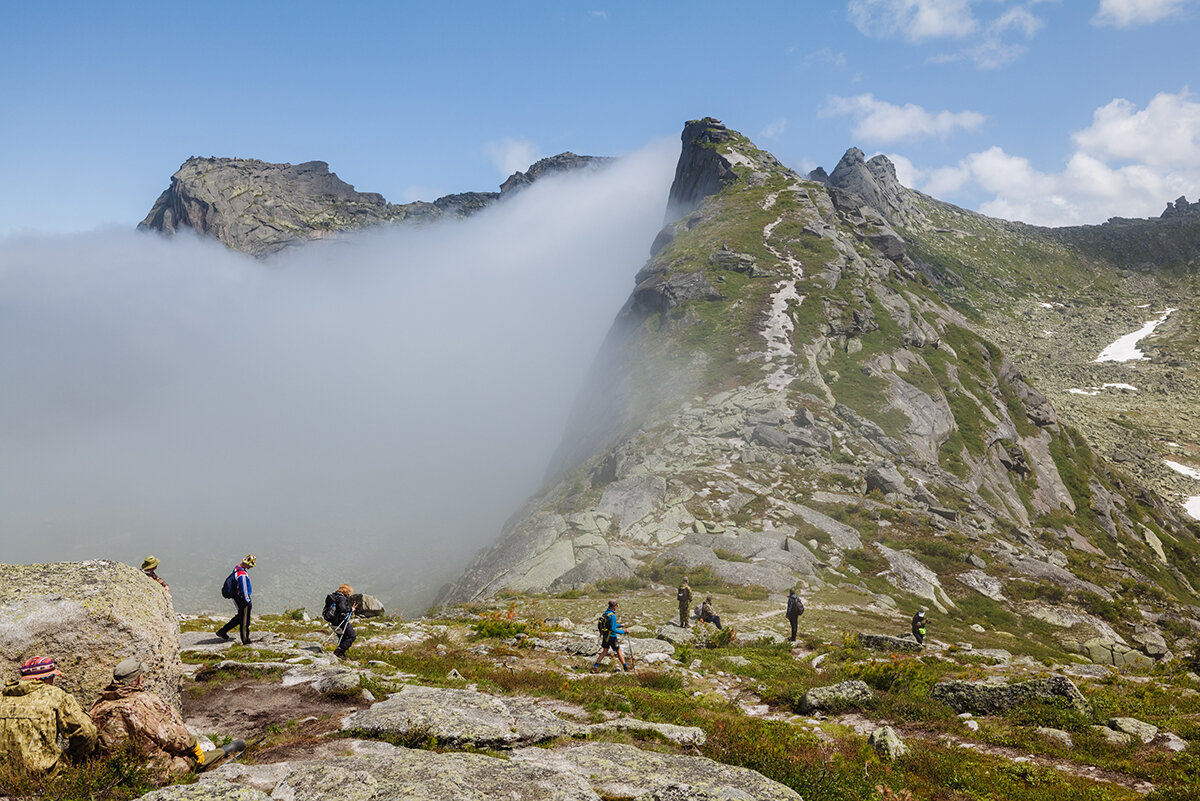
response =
{"points": [[610, 631], [338, 611], [919, 622], [237, 589], [795, 608], [684, 596]]}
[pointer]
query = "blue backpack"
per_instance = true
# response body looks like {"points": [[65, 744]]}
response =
{"points": [[230, 587]]}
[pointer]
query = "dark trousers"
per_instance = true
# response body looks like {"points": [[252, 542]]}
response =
{"points": [[793, 621], [241, 620], [714, 619], [348, 638]]}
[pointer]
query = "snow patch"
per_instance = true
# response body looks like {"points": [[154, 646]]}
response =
{"points": [[1076, 391], [1192, 505], [1184, 469], [1125, 349]]}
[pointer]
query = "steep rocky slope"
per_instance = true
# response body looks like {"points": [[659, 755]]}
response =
{"points": [[261, 208], [808, 383]]}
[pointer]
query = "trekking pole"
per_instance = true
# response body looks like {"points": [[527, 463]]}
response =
{"points": [[339, 629], [629, 648]]}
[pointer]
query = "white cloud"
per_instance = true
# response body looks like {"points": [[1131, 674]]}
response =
{"points": [[1134, 13], [1166, 133], [879, 121], [913, 20], [775, 129], [512, 155], [600, 15], [989, 42], [1129, 162]]}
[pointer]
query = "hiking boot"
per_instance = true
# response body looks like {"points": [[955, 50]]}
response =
{"points": [[223, 635], [594, 669], [339, 654]]}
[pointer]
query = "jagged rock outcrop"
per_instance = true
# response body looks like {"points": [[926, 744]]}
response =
{"points": [[89, 616], [835, 698], [261, 208]]}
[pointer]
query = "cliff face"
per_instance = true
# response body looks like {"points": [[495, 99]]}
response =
{"points": [[796, 391], [261, 208]]}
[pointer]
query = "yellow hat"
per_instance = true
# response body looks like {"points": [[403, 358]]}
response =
{"points": [[249, 560], [149, 563]]}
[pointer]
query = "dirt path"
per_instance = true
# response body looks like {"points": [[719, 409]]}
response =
{"points": [[246, 707]]}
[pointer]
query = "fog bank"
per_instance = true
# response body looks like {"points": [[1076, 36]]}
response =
{"points": [[368, 409]]}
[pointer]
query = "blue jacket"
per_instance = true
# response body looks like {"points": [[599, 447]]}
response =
{"points": [[243, 583], [614, 628]]}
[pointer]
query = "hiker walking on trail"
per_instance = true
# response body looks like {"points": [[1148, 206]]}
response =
{"points": [[795, 608], [610, 632], [919, 622], [684, 596], [129, 714], [149, 564], [237, 588], [35, 715], [338, 611], [707, 614]]}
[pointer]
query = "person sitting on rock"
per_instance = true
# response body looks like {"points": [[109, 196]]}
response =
{"points": [[707, 614], [35, 715], [149, 565], [684, 596], [338, 611], [610, 631], [128, 713], [919, 622]]}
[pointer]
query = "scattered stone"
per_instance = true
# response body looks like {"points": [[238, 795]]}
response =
{"points": [[835, 698], [988, 699], [1112, 736], [368, 605], [887, 743], [1134, 727], [325, 680], [679, 735], [675, 634], [1170, 741], [740, 661], [1058, 735], [884, 642]]}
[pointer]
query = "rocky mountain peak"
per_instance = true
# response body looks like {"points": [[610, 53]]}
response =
{"points": [[872, 180], [260, 208], [563, 162]]}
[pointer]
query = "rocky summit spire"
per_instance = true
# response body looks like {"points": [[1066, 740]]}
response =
{"points": [[874, 181]]}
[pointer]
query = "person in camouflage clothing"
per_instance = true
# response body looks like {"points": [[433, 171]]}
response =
{"points": [[128, 713], [34, 715]]}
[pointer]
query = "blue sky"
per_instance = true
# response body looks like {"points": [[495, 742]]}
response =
{"points": [[1055, 112]]}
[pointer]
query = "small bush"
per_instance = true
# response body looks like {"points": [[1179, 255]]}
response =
{"points": [[729, 556]]}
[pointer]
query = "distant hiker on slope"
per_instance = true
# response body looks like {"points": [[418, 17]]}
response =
{"points": [[610, 631], [795, 608], [149, 564], [237, 588], [338, 611], [684, 596], [127, 713], [919, 623], [35, 715]]}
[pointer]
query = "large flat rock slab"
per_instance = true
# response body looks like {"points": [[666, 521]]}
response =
{"points": [[385, 774], [462, 718], [617, 771]]}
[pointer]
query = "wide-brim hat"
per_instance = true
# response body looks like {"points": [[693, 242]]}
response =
{"points": [[128, 670], [39, 667], [149, 563]]}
